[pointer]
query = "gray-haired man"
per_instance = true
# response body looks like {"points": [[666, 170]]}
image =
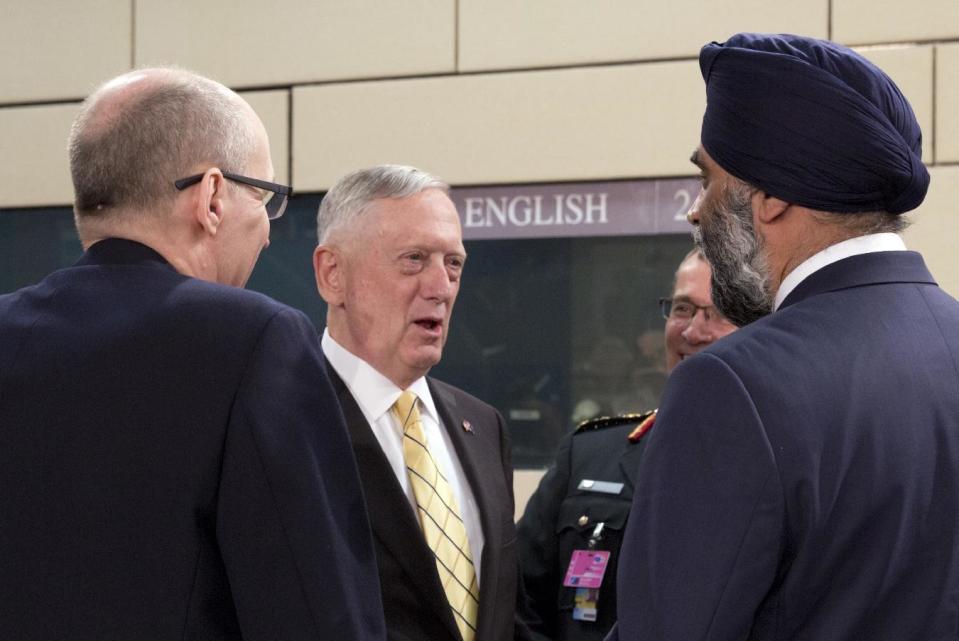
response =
{"points": [[435, 461]]}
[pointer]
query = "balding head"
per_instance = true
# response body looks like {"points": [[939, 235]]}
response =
{"points": [[145, 129]]}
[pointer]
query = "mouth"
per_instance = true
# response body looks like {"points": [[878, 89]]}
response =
{"points": [[430, 325]]}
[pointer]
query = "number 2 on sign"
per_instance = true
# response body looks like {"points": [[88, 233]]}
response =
{"points": [[683, 196]]}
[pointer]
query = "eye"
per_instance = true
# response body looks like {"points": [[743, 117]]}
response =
{"points": [[683, 309], [412, 262], [262, 195]]}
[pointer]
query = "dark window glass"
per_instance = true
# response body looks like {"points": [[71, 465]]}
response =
{"points": [[549, 331], [33, 243]]}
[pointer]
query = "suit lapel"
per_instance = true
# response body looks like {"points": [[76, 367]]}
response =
{"points": [[391, 519]]}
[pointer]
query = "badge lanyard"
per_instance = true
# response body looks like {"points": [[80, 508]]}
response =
{"points": [[585, 573]]}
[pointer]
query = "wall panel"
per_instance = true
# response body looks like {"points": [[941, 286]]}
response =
{"points": [[53, 50], [947, 103], [605, 122], [243, 43], [500, 34], [33, 144], [876, 21], [935, 228]]}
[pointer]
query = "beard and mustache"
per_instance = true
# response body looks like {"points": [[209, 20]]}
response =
{"points": [[740, 280]]}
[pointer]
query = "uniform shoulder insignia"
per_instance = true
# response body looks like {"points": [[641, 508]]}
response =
{"points": [[643, 427], [611, 421]]}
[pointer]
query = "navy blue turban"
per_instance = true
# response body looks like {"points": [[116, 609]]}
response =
{"points": [[812, 123]]}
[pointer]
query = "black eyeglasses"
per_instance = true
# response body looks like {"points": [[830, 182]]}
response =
{"points": [[274, 201], [685, 310]]}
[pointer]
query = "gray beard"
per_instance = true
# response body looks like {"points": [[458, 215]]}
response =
{"points": [[740, 282]]}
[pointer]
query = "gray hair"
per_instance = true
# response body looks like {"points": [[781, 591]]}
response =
{"points": [[740, 270], [861, 224], [352, 194], [126, 151]]}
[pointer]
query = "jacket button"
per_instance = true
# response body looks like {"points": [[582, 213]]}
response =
{"points": [[583, 520]]}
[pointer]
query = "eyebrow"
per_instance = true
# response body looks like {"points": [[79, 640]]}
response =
{"points": [[694, 158]]}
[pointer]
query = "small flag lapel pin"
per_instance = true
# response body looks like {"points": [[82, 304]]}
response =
{"points": [[467, 426]]}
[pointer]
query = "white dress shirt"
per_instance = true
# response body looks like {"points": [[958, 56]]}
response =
{"points": [[375, 394], [852, 247]]}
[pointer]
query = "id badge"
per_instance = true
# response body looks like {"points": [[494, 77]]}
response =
{"points": [[584, 604], [586, 569]]}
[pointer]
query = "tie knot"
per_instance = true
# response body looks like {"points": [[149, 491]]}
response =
{"points": [[405, 408]]}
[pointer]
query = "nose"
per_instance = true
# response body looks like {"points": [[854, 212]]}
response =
{"points": [[692, 214], [699, 330], [436, 283]]}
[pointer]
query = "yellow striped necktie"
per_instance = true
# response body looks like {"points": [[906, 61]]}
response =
{"points": [[439, 519]]}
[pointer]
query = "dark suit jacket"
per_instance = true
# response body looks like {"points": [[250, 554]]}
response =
{"points": [[173, 464], [413, 599], [802, 481], [561, 517]]}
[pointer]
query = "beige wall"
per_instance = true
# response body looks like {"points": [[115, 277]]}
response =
{"points": [[54, 50], [566, 124], [505, 34], [479, 91], [524, 484]]}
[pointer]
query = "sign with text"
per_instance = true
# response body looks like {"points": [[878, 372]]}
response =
{"points": [[619, 208]]}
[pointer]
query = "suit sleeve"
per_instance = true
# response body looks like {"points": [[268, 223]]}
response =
{"points": [[291, 519], [538, 546], [520, 630], [703, 544]]}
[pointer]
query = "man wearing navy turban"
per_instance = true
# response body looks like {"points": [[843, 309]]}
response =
{"points": [[802, 480]]}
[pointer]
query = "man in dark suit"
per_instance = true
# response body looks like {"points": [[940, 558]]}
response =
{"points": [[582, 503], [802, 479], [435, 461], [173, 463]]}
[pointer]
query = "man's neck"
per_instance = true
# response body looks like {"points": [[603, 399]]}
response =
{"points": [[340, 337], [185, 254], [795, 237], [834, 253]]}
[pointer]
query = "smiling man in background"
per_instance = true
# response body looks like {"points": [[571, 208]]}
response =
{"points": [[583, 501]]}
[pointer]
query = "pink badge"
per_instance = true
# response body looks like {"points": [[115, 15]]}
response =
{"points": [[586, 569]]}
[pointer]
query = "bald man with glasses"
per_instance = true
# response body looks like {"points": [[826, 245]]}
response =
{"points": [[173, 461]]}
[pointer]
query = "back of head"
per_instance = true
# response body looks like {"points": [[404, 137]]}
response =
{"points": [[352, 194], [812, 123], [145, 129]]}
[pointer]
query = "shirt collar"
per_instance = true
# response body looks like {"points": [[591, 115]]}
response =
{"points": [[373, 392], [852, 247]]}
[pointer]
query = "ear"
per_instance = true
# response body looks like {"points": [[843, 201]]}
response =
{"points": [[207, 209], [767, 209], [328, 270]]}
